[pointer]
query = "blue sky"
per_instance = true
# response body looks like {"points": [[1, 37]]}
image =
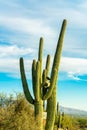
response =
{"points": [[22, 23]]}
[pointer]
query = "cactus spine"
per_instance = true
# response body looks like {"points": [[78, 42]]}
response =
{"points": [[41, 89]]}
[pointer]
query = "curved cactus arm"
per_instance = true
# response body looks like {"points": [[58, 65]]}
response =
{"points": [[52, 84], [24, 83], [34, 75]]}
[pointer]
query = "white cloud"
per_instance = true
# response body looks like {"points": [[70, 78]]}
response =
{"points": [[9, 59], [14, 50], [11, 67], [72, 76], [74, 67], [26, 25]]}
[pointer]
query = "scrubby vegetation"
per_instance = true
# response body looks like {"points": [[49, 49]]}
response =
{"points": [[18, 114]]}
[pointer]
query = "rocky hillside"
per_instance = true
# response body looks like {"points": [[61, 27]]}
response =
{"points": [[72, 111]]}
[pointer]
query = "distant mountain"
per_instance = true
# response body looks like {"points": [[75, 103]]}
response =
{"points": [[72, 111]]}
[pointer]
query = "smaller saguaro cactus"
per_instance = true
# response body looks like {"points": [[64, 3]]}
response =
{"points": [[57, 108], [59, 121], [58, 115], [62, 120]]}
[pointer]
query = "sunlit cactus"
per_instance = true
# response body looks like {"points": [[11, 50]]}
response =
{"points": [[51, 102], [44, 87]]}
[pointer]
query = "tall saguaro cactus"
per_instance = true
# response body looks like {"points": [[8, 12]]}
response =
{"points": [[51, 102], [44, 88]]}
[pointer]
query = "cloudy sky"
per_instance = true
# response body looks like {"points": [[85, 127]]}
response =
{"points": [[22, 23]]}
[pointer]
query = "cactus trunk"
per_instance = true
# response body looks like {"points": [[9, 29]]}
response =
{"points": [[38, 106], [51, 107]]}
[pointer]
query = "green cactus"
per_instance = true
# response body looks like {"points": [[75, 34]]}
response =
{"points": [[57, 111], [44, 88], [59, 121], [51, 102], [37, 85], [58, 116], [62, 120]]}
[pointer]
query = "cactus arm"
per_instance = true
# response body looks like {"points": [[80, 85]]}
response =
{"points": [[24, 82], [56, 61], [58, 52], [37, 86], [43, 82], [40, 53], [45, 74], [34, 75], [48, 64], [52, 84]]}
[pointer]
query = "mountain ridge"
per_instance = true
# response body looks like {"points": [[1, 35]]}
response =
{"points": [[73, 111]]}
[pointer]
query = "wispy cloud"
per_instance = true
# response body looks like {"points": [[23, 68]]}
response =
{"points": [[14, 51], [11, 67], [74, 67], [32, 26], [9, 59], [73, 76]]}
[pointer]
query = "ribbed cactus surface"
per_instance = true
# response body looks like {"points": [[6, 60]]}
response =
{"points": [[44, 87]]}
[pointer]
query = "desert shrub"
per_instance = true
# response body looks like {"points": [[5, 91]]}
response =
{"points": [[18, 115], [82, 122]]}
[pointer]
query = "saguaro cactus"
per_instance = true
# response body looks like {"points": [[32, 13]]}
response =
{"points": [[62, 120], [51, 102], [44, 88], [57, 110], [58, 116]]}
